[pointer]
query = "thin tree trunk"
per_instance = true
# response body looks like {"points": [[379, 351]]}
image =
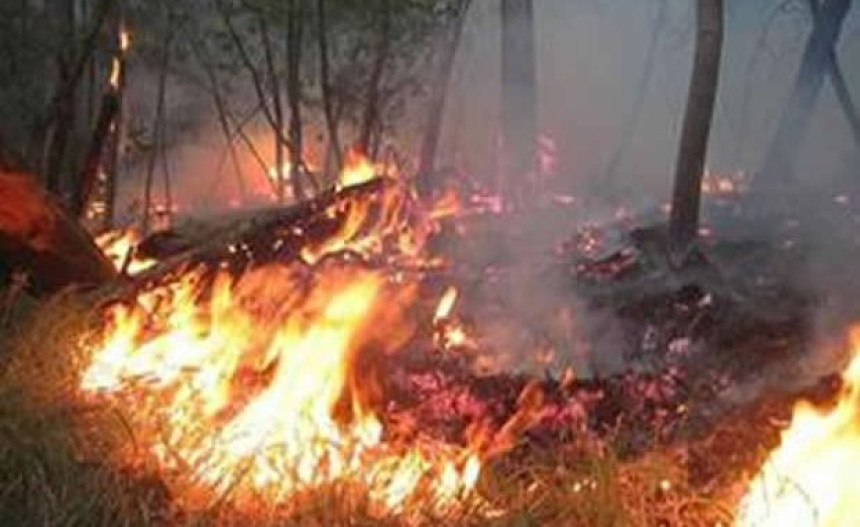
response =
{"points": [[840, 87], [436, 106], [519, 100], [630, 123], [61, 107], [294, 96], [159, 124], [372, 103], [116, 137], [88, 178], [325, 85], [222, 111], [791, 130], [278, 110], [693, 148]]}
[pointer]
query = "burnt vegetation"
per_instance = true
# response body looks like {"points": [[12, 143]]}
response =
{"points": [[341, 262]]}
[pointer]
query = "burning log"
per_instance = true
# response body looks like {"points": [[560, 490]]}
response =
{"points": [[277, 234], [37, 236]]}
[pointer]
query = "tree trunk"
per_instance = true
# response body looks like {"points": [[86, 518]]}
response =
{"points": [[372, 103], [629, 124], [519, 100], [840, 87], [693, 148], [439, 90], [325, 85], [158, 128], [278, 110], [61, 16], [793, 124], [294, 96], [88, 178], [116, 135]]}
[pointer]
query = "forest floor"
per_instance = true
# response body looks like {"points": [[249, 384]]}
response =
{"points": [[680, 388]]}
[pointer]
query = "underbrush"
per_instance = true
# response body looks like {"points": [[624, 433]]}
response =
{"points": [[56, 450]]}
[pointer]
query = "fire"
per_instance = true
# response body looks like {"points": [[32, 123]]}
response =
{"points": [[265, 387], [358, 169], [116, 64], [446, 304], [449, 334], [258, 389], [393, 224], [810, 479], [120, 246], [724, 185]]}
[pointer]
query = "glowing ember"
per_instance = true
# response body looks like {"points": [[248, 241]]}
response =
{"points": [[724, 185], [810, 479], [120, 246]]}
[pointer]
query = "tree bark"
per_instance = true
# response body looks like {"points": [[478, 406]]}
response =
{"points": [[278, 110], [61, 108], [158, 127], [294, 96], [116, 135], [325, 85], [372, 103], [519, 100], [88, 178], [791, 130], [840, 87], [693, 148], [438, 95]]}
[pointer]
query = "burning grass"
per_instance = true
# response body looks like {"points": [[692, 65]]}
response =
{"points": [[302, 375], [57, 463]]}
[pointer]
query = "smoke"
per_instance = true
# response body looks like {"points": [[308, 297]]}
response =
{"points": [[590, 56]]}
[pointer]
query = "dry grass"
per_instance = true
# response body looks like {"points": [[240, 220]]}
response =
{"points": [[54, 470]]}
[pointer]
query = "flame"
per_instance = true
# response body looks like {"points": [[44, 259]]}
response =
{"points": [[393, 218], [116, 63], [264, 387], [446, 304], [358, 169], [120, 246], [810, 479], [257, 390]]}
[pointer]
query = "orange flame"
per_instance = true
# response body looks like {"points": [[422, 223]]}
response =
{"points": [[116, 64], [120, 246], [261, 388], [257, 391], [810, 479], [446, 304], [358, 169]]}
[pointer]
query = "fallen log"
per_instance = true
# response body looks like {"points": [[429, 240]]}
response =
{"points": [[39, 238], [275, 234]]}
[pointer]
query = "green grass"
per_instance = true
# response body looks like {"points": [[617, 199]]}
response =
{"points": [[55, 470]]}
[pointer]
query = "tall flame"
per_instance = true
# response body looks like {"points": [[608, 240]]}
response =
{"points": [[810, 480]]}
